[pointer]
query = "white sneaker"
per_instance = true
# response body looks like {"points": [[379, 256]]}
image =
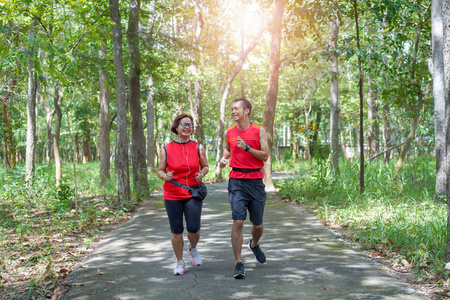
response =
{"points": [[196, 258], [181, 267]]}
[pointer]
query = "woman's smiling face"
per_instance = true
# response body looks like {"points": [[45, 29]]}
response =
{"points": [[185, 127]]}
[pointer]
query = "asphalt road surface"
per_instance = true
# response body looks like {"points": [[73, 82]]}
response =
{"points": [[304, 260]]}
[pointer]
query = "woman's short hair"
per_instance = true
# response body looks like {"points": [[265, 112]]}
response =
{"points": [[177, 122], [245, 103]]}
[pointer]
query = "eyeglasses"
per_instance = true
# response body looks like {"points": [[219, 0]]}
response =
{"points": [[187, 125]]}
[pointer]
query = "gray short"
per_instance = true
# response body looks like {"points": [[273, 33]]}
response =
{"points": [[247, 194]]}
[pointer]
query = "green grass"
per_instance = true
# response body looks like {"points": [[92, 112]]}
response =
{"points": [[42, 230], [397, 215]]}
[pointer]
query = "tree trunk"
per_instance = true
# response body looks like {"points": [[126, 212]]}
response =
{"points": [[334, 99], [151, 143], [361, 105], [138, 141], [121, 161], [272, 88], [343, 144], [439, 97], [372, 114], [5, 154], [307, 111], [30, 157], [105, 151], [86, 147], [446, 66], [10, 149], [294, 143], [315, 138], [196, 110], [198, 133], [57, 154], [49, 117], [77, 150], [387, 134], [242, 76], [151, 149], [386, 120], [223, 103]]}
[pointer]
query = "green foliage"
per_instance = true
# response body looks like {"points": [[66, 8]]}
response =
{"points": [[63, 195], [41, 231], [397, 215]]}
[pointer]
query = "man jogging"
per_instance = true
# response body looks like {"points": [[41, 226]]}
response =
{"points": [[247, 149]]}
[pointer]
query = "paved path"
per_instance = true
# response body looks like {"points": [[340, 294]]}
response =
{"points": [[304, 260]]}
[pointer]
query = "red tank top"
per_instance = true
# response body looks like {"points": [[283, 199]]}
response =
{"points": [[184, 160], [240, 158]]}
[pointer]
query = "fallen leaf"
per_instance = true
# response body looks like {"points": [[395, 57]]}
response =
{"points": [[59, 291]]}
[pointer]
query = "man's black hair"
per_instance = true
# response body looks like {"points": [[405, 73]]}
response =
{"points": [[245, 103]]}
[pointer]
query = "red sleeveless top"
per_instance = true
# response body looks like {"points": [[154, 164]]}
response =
{"points": [[184, 160], [241, 159]]}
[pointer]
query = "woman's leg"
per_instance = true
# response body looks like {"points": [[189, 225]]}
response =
{"points": [[192, 214], [177, 245], [174, 209]]}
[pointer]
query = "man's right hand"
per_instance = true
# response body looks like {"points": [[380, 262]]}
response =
{"points": [[223, 162]]}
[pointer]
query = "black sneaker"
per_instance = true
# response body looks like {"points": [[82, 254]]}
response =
{"points": [[239, 271], [259, 254]]}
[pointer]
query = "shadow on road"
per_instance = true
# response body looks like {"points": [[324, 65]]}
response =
{"points": [[304, 260]]}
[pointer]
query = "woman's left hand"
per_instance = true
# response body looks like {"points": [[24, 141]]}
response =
{"points": [[199, 176]]}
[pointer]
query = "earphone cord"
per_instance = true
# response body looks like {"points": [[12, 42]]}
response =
{"points": [[186, 156]]}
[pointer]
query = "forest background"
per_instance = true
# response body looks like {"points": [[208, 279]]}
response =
{"points": [[344, 89]]}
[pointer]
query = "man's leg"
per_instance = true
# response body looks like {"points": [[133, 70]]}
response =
{"points": [[237, 239], [257, 231]]}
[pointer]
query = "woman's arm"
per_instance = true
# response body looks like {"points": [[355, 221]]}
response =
{"points": [[204, 168], [162, 168]]}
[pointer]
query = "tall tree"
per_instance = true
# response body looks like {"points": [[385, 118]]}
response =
{"points": [[437, 29], [334, 98], [361, 104], [10, 149], [30, 156], [57, 99], [49, 117], [444, 14], [196, 109], [105, 151], [121, 161], [372, 115], [138, 142], [151, 142], [272, 88], [387, 134], [223, 103]]}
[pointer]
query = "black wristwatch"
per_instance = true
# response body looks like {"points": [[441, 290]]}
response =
{"points": [[247, 147]]}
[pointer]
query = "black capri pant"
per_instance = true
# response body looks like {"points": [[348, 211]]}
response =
{"points": [[192, 210]]}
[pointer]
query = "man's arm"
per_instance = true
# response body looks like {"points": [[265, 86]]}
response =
{"points": [[226, 152], [262, 154]]}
